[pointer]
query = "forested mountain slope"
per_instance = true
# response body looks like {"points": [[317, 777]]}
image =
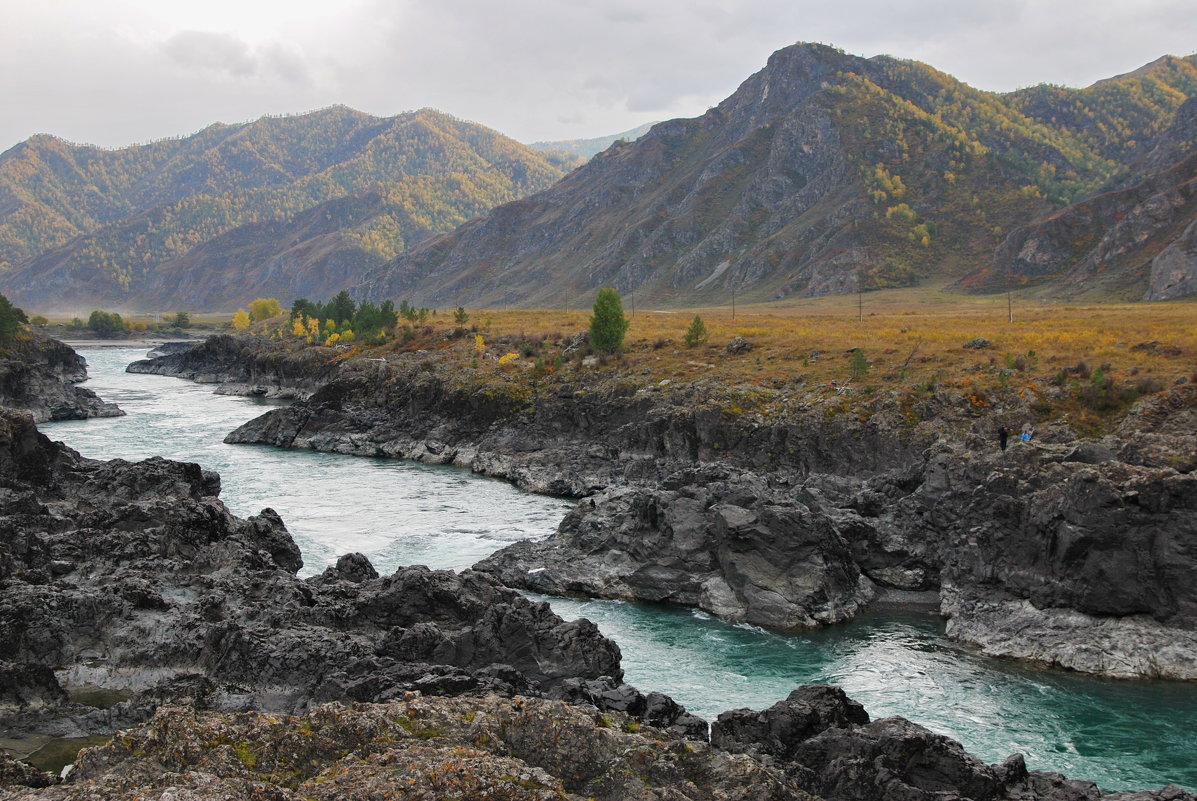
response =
{"points": [[84, 225], [821, 173]]}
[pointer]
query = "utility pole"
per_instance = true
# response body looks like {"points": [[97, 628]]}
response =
{"points": [[733, 302], [632, 295], [1009, 299], [859, 298]]}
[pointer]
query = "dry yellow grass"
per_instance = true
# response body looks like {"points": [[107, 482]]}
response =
{"points": [[906, 335]]}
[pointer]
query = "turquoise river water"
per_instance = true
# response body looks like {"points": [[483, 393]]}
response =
{"points": [[1123, 735]]}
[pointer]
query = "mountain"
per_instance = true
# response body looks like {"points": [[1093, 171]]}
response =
{"points": [[1138, 240], [585, 148], [822, 173], [84, 226]]}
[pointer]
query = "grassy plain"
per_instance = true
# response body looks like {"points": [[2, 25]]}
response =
{"points": [[1083, 363], [907, 335]]}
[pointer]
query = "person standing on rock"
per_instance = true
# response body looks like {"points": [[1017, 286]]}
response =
{"points": [[1003, 436]]}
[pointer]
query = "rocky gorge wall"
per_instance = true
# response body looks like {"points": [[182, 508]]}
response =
{"points": [[232, 678], [127, 575], [1066, 551], [39, 374]]}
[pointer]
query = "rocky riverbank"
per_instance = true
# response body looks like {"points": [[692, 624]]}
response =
{"points": [[241, 366], [39, 375], [816, 744], [132, 581], [131, 599], [790, 510]]}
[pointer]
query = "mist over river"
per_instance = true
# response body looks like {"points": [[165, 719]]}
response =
{"points": [[1123, 735]]}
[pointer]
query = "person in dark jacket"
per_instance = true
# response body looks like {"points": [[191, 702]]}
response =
{"points": [[1003, 436]]}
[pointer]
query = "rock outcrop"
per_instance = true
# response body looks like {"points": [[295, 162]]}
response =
{"points": [[241, 367], [39, 375], [724, 542], [134, 578], [816, 744], [826, 743], [1065, 551], [570, 438]]}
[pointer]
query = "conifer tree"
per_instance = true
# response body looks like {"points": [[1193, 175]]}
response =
{"points": [[608, 325]]}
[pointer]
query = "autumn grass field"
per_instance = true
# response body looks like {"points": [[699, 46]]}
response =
{"points": [[1084, 363], [1087, 361], [905, 335]]}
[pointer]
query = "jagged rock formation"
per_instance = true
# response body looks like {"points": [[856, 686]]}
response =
{"points": [[39, 375], [136, 578], [794, 520], [728, 544], [300, 204], [241, 368], [815, 744], [822, 174], [825, 742], [1072, 555]]}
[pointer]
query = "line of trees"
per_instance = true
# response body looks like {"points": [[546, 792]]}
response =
{"points": [[342, 316]]}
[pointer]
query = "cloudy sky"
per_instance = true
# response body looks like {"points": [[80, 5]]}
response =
{"points": [[115, 72]]}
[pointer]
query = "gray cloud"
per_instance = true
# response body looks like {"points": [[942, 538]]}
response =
{"points": [[219, 52], [533, 69]]}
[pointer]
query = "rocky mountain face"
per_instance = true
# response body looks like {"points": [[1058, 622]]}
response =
{"points": [[1067, 551], [823, 173], [1139, 239], [39, 375], [277, 207]]}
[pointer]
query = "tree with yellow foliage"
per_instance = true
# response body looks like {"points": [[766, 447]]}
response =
{"points": [[264, 309], [240, 320], [299, 328]]}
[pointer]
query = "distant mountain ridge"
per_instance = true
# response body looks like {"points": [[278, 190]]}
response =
{"points": [[586, 148], [83, 225], [822, 173]]}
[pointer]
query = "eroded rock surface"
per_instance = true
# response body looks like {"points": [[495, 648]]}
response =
{"points": [[815, 744], [39, 375], [725, 542], [826, 743], [134, 577], [1065, 550]]}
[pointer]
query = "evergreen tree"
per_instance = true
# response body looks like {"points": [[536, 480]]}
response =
{"points": [[11, 319], [608, 325], [302, 307], [341, 308], [696, 334]]}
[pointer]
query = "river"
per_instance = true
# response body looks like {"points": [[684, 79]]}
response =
{"points": [[1123, 735]]}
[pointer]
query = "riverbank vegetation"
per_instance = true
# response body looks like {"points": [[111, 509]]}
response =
{"points": [[1082, 364]]}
